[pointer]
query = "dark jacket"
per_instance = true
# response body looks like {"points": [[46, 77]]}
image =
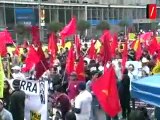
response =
{"points": [[17, 104]]}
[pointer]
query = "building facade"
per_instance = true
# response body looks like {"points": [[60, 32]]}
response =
{"points": [[13, 12]]}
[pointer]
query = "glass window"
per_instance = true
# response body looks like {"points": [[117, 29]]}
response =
{"points": [[9, 15], [106, 13], [61, 16], [94, 14], [116, 14], [89, 14], [68, 15], [111, 13], [121, 13]]}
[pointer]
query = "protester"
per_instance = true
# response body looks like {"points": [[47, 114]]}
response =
{"points": [[17, 73], [72, 89], [83, 101], [6, 94], [62, 102], [17, 101], [124, 94], [95, 104], [4, 113]]}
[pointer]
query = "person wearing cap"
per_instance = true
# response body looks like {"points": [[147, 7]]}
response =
{"points": [[4, 114], [82, 104], [17, 101], [72, 89], [17, 73], [145, 67]]}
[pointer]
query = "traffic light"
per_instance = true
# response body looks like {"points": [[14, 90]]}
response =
{"points": [[151, 11]]}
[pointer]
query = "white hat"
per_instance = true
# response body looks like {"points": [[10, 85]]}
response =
{"points": [[144, 60], [16, 68]]}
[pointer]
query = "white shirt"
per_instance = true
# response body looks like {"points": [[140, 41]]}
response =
{"points": [[146, 68], [83, 102]]}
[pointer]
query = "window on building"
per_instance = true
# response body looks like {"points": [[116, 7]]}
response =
{"points": [[94, 13], [106, 13], [111, 13], [61, 16], [89, 14]]}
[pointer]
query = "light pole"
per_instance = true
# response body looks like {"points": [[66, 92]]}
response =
{"points": [[39, 10]]}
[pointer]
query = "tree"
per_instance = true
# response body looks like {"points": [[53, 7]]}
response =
{"points": [[83, 25], [103, 25], [22, 33], [123, 23], [55, 27]]}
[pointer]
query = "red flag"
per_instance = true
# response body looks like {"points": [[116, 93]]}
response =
{"points": [[42, 65], [124, 56], [3, 48], [107, 52], [92, 51], [80, 69], [114, 45], [70, 61], [138, 51], [69, 29], [40, 53], [105, 89], [153, 47], [78, 45], [35, 35], [6, 36], [146, 36], [31, 60], [52, 45], [106, 33]]}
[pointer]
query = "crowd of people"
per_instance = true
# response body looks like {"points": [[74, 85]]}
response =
{"points": [[73, 98]]}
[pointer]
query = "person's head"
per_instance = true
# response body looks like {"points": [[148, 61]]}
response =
{"points": [[85, 64], [81, 86], [16, 84], [1, 105], [131, 67], [58, 89], [94, 75], [16, 69], [73, 76], [70, 116], [136, 115], [6, 85]]}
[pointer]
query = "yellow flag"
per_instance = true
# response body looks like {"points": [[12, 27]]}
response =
{"points": [[136, 45], [156, 69], [2, 76]]}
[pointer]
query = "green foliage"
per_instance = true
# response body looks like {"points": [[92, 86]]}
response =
{"points": [[123, 23], [55, 26], [23, 32], [83, 25], [103, 25]]}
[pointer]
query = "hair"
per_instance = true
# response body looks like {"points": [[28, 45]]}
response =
{"points": [[6, 91], [70, 116]]}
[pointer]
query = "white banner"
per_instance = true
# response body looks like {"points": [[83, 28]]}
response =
{"points": [[36, 99]]}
